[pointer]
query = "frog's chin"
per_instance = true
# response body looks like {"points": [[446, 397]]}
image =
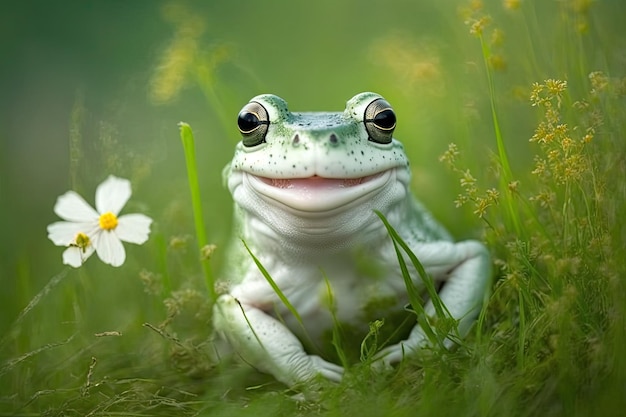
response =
{"points": [[317, 194]]}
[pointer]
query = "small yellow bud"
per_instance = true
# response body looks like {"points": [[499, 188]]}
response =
{"points": [[108, 221]]}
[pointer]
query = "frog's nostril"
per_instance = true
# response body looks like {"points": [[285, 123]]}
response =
{"points": [[333, 139], [296, 140]]}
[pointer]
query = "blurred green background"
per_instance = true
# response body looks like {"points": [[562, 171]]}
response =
{"points": [[88, 69], [92, 88]]}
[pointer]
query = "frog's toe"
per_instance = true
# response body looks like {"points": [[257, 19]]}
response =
{"points": [[327, 369]]}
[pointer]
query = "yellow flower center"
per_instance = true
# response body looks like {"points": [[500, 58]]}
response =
{"points": [[81, 241], [108, 221]]}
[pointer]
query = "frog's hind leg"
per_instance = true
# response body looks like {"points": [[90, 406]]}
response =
{"points": [[268, 345], [466, 268]]}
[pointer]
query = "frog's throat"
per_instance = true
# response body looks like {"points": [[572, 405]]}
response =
{"points": [[317, 194]]}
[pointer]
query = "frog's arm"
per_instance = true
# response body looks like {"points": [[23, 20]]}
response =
{"points": [[466, 268], [267, 344]]}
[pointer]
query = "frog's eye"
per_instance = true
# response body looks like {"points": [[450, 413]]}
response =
{"points": [[380, 121], [253, 122]]}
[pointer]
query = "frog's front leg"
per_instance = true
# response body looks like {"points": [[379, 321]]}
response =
{"points": [[265, 343], [466, 268]]}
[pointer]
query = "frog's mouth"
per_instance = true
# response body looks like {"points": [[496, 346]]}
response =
{"points": [[318, 194]]}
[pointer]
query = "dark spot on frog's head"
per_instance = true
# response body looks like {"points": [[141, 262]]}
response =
{"points": [[296, 140], [333, 139]]}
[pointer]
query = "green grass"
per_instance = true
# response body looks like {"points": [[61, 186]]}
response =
{"points": [[537, 171], [204, 251]]}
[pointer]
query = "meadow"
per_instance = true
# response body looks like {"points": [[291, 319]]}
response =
{"points": [[512, 112]]}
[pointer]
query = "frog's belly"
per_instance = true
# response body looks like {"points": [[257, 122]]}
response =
{"points": [[351, 302]]}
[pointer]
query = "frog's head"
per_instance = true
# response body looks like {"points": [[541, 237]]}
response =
{"points": [[315, 163]]}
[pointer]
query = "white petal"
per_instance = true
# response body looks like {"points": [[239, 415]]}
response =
{"points": [[63, 233], [75, 257], [112, 194], [109, 248], [133, 228], [72, 207]]}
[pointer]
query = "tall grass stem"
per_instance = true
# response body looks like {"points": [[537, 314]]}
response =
{"points": [[189, 145], [507, 176]]}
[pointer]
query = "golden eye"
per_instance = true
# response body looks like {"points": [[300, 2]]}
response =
{"points": [[253, 122], [380, 121]]}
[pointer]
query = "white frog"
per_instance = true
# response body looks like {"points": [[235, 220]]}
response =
{"points": [[306, 188]]}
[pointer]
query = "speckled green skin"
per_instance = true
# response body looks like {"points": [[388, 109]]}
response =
{"points": [[304, 204], [351, 156]]}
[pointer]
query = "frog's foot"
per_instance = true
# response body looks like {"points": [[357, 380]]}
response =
{"points": [[326, 369], [468, 269], [266, 344]]}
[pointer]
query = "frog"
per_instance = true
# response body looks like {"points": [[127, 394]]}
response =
{"points": [[310, 190]]}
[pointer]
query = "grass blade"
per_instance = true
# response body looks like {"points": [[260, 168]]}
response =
{"points": [[336, 338], [186, 135], [274, 286], [414, 296], [502, 154]]}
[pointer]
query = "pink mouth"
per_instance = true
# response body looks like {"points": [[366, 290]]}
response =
{"points": [[315, 182], [317, 194]]}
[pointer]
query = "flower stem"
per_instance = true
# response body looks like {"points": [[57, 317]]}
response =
{"points": [[186, 135]]}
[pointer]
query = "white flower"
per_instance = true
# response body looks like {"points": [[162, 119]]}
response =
{"points": [[86, 230]]}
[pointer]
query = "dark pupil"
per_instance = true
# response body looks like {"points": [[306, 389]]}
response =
{"points": [[247, 121], [386, 119]]}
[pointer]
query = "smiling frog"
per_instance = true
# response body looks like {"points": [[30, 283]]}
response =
{"points": [[306, 188]]}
